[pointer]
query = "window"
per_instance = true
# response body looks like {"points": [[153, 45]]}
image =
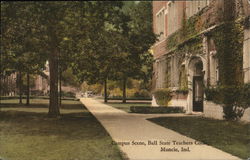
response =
{"points": [[217, 74], [160, 24], [157, 74], [174, 20], [171, 18], [168, 73], [192, 7], [214, 68]]}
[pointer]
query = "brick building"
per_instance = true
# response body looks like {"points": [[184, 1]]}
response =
{"points": [[185, 54], [41, 85]]}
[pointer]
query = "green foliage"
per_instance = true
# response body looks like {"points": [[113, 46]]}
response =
{"points": [[162, 96], [100, 42], [234, 99], [137, 61], [213, 94], [247, 22], [69, 78], [142, 93], [188, 33], [150, 110], [228, 38], [183, 79], [229, 45], [68, 94], [20, 43], [95, 88], [36, 93]]}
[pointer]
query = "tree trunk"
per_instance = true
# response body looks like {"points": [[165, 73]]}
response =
{"points": [[20, 84], [60, 87], [53, 76], [28, 90], [105, 92], [124, 90]]}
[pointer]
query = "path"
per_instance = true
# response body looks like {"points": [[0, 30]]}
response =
{"points": [[127, 128]]}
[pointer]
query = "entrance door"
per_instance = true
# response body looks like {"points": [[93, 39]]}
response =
{"points": [[198, 93]]}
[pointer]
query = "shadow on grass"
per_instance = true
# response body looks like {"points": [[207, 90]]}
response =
{"points": [[77, 125], [229, 136], [128, 103], [76, 134], [64, 106]]}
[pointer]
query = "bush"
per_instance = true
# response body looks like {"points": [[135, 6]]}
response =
{"points": [[213, 94], [37, 93], [162, 96], [68, 94], [234, 99], [142, 93], [148, 110]]}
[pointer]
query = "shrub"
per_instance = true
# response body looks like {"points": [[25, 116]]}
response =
{"points": [[37, 93], [142, 93], [213, 94], [234, 99], [148, 110], [115, 92], [162, 96], [68, 94]]}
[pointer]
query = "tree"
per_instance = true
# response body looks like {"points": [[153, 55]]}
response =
{"points": [[101, 20], [117, 49], [20, 45], [51, 15], [137, 63]]}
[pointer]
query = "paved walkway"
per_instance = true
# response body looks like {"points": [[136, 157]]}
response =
{"points": [[133, 133]]}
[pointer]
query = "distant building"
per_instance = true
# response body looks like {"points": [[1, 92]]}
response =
{"points": [[186, 53], [41, 86], [8, 85]]}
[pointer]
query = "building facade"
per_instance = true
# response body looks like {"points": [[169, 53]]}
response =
{"points": [[41, 85], [8, 85], [186, 56]]}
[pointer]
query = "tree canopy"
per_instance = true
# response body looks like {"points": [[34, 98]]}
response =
{"points": [[99, 40]]}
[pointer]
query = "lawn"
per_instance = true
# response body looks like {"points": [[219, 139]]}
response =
{"points": [[231, 137], [28, 134], [126, 106]]}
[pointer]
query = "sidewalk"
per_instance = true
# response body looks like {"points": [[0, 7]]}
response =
{"points": [[137, 137]]}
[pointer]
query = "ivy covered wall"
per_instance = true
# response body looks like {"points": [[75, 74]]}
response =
{"points": [[227, 32]]}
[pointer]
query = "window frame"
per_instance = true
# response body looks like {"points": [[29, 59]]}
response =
{"points": [[162, 11]]}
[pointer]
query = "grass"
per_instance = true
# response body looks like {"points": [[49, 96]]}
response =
{"points": [[231, 137], [126, 106], [28, 134], [15, 101]]}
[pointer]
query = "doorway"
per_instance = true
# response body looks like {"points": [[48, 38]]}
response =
{"points": [[196, 92]]}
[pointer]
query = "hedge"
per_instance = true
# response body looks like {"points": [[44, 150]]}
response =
{"points": [[148, 110]]}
